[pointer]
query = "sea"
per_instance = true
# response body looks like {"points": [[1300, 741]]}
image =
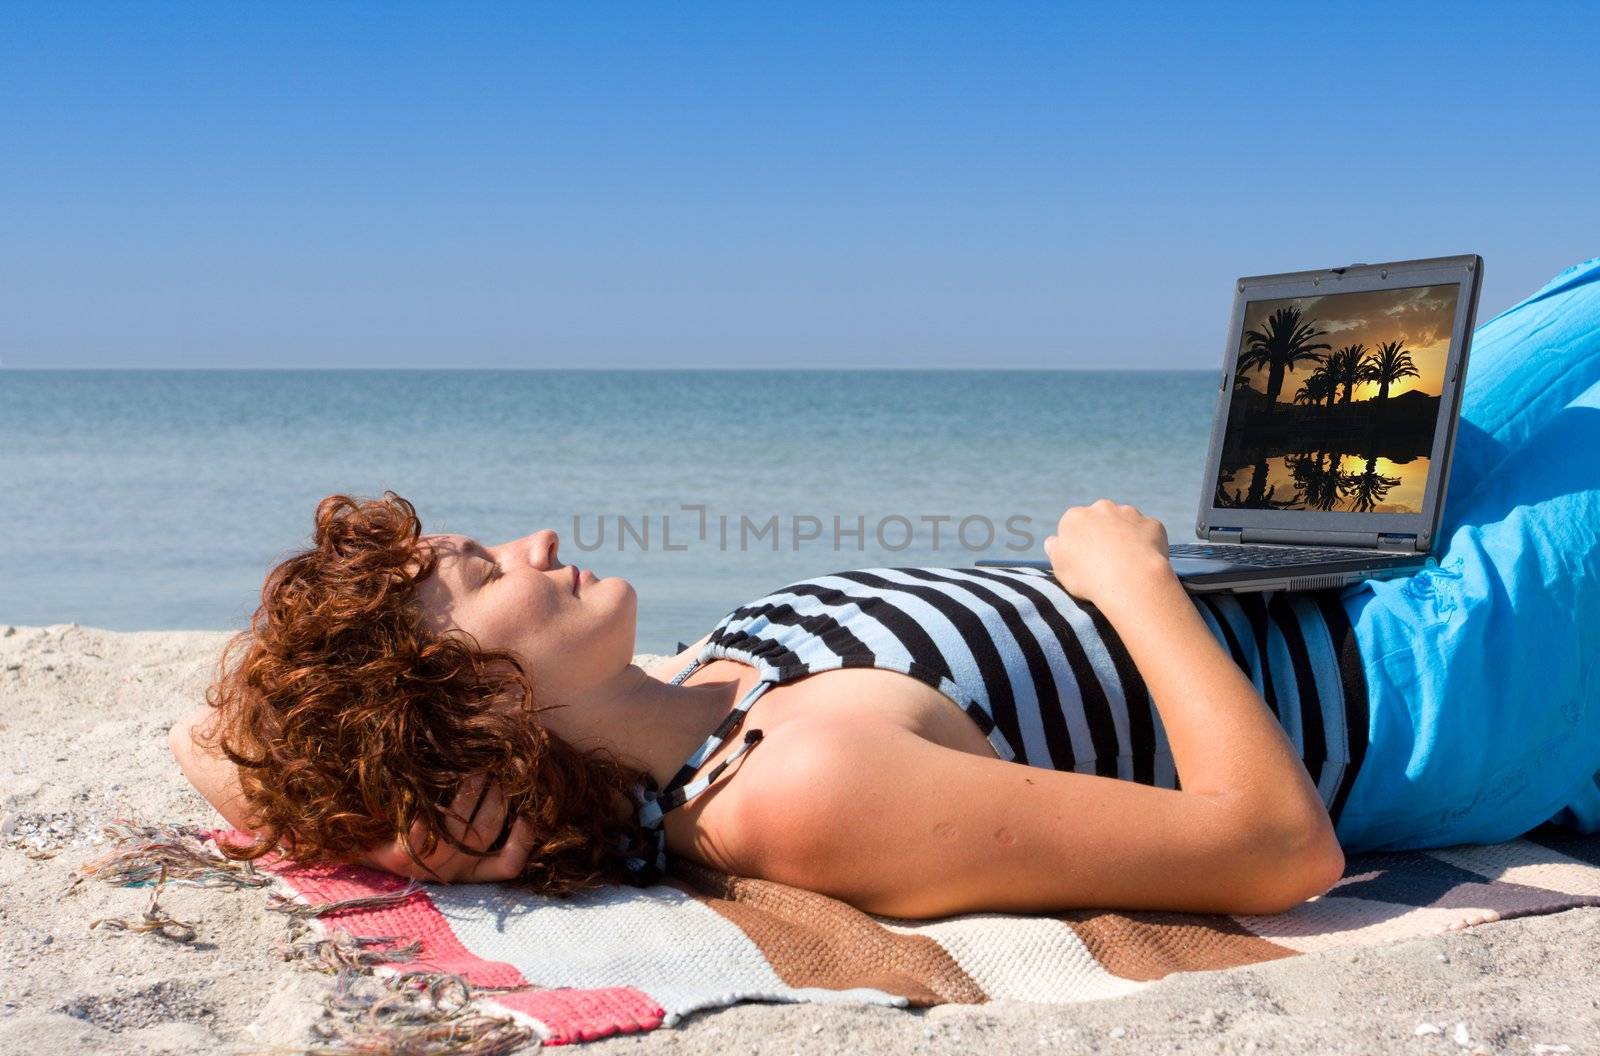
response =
{"points": [[160, 499]]}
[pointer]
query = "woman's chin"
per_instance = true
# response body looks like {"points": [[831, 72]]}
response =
{"points": [[628, 612]]}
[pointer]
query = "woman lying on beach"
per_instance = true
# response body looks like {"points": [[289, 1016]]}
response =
{"points": [[924, 742]]}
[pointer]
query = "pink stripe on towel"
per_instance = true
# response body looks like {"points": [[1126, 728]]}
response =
{"points": [[561, 1015]]}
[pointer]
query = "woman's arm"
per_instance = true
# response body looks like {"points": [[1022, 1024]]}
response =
{"points": [[898, 825], [893, 823], [209, 771], [1225, 742], [216, 778]]}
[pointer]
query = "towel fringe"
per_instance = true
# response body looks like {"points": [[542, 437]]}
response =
{"points": [[364, 1013]]}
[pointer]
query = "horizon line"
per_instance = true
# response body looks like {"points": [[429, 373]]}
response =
{"points": [[596, 370]]}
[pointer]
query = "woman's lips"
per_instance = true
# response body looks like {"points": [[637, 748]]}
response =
{"points": [[575, 577]]}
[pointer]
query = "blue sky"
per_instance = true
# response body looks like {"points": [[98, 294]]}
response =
{"points": [[708, 185]]}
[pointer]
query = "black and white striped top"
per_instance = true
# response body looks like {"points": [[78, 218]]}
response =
{"points": [[1042, 674]]}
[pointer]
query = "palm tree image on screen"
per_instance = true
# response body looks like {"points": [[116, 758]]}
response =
{"points": [[1334, 402]]}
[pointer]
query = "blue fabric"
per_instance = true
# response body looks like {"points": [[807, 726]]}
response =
{"points": [[1484, 671], [1527, 363]]}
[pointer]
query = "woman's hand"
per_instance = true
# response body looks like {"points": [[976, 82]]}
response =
{"points": [[1101, 550], [448, 865]]}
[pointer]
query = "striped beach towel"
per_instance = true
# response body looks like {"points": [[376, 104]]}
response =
{"points": [[625, 959]]}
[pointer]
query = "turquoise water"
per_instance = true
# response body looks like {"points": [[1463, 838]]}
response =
{"points": [[143, 500]]}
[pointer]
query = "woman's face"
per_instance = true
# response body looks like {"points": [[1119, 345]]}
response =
{"points": [[572, 628]]}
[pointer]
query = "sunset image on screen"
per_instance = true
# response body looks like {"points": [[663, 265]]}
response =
{"points": [[1335, 399]]}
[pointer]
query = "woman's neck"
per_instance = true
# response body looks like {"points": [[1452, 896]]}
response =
{"points": [[645, 722]]}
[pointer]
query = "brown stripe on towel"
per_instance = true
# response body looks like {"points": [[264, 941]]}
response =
{"points": [[1569, 842], [1443, 881], [1147, 946], [813, 940]]}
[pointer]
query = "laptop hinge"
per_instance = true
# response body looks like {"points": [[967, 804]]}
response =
{"points": [[1225, 535], [1399, 542]]}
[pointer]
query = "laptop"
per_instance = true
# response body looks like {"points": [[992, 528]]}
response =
{"points": [[1335, 420]]}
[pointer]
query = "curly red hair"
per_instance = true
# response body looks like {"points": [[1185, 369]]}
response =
{"points": [[350, 721]]}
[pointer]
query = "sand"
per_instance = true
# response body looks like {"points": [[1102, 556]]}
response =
{"points": [[84, 716]]}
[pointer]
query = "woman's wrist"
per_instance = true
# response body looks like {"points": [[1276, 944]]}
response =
{"points": [[1141, 589]]}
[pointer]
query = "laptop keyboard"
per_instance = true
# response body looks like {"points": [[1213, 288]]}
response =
{"points": [[1267, 556]]}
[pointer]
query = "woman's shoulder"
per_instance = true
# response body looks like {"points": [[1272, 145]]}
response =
{"points": [[831, 732], [793, 807], [774, 789]]}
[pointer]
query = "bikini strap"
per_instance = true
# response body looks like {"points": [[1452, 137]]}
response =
{"points": [[679, 790], [650, 864], [655, 807]]}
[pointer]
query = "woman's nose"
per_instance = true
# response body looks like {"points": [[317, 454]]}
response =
{"points": [[543, 546], [538, 549]]}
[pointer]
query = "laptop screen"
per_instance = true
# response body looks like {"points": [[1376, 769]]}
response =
{"points": [[1335, 401]]}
